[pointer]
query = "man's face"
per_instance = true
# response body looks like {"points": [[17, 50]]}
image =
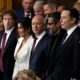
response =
{"points": [[66, 21], [51, 26], [60, 9], [37, 25], [38, 11], [77, 7], [78, 0], [47, 10], [27, 5], [8, 21]]}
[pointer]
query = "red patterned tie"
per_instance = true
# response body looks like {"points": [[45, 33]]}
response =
{"points": [[2, 50]]}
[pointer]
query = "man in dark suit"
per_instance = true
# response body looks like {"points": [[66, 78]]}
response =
{"points": [[64, 57], [38, 55], [27, 10], [1, 33], [6, 54]]}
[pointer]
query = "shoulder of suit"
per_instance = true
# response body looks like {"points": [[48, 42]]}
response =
{"points": [[77, 35]]}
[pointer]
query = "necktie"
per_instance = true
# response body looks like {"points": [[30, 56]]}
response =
{"points": [[33, 46], [64, 37], [32, 50], [2, 51]]}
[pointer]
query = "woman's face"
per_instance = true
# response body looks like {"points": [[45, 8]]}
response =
{"points": [[21, 30]]}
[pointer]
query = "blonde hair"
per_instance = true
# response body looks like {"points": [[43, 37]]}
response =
{"points": [[26, 75]]}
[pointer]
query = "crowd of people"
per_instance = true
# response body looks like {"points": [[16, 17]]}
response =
{"points": [[40, 42]]}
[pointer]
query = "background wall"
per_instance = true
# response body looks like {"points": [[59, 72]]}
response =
{"points": [[17, 3], [5, 4]]}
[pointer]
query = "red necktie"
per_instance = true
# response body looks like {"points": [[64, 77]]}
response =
{"points": [[2, 50], [33, 46]]}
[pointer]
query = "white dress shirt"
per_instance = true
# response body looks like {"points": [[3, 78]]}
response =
{"points": [[69, 32], [39, 37], [27, 15], [8, 34]]}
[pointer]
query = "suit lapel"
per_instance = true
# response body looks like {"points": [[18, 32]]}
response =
{"points": [[70, 38], [57, 41], [37, 47], [19, 43], [39, 43], [11, 37], [1, 34]]}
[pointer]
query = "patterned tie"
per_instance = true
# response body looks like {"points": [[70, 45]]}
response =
{"points": [[2, 51]]}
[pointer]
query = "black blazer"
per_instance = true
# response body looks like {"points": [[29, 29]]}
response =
{"points": [[64, 59], [20, 14], [1, 34], [37, 61], [8, 57]]}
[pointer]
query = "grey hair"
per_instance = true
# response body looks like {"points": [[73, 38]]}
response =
{"points": [[38, 4]]}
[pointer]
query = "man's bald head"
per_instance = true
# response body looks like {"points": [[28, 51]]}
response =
{"points": [[40, 18], [38, 24]]}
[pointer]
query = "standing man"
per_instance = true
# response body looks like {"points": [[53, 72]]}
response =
{"points": [[27, 10], [8, 44], [38, 54], [64, 58]]}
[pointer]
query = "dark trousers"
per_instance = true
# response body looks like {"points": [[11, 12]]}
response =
{"points": [[1, 75]]}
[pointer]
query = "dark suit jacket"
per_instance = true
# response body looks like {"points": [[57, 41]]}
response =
{"points": [[37, 60], [64, 60], [20, 14], [8, 57], [1, 34]]}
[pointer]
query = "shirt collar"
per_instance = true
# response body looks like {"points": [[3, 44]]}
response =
{"points": [[72, 29], [25, 13], [41, 35], [9, 31]]}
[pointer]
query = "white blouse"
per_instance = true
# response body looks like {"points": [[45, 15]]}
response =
{"points": [[22, 56]]}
